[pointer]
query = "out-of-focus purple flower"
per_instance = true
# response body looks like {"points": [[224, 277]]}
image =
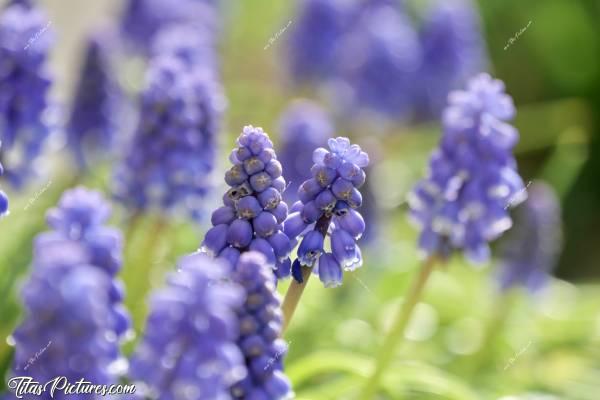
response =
{"points": [[370, 210], [80, 216], [530, 249], [260, 320], [74, 313], [472, 178], [315, 37], [304, 126], [189, 346], [93, 121], [327, 206], [25, 40], [169, 162], [27, 3], [378, 61], [453, 50], [68, 329], [143, 19], [191, 44], [253, 212]]}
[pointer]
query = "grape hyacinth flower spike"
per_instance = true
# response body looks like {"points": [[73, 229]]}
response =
{"points": [[80, 216], [143, 20], [260, 320], [68, 319], [253, 212], [25, 116], [93, 121], [315, 38], [472, 180], [190, 43], [189, 346], [462, 203], [72, 299], [531, 248], [169, 162], [453, 50], [327, 208], [378, 61]]}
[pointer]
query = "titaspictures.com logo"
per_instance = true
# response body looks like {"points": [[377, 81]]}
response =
{"points": [[26, 385]]}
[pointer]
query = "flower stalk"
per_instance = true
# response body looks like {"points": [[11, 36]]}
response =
{"points": [[295, 290], [396, 332]]}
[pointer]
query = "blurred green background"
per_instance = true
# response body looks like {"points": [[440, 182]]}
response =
{"points": [[465, 341]]}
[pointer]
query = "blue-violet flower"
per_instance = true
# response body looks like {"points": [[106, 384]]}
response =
{"points": [[304, 126], [328, 207], [93, 122], [25, 117], [169, 163], [453, 51], [378, 61], [260, 319], [67, 321], [253, 212], [472, 180], [189, 346], [530, 250], [142, 20], [80, 216], [315, 37]]}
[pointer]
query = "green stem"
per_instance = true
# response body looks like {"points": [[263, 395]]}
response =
{"points": [[396, 333], [501, 311], [5, 364], [292, 297], [137, 270], [133, 222], [295, 290]]}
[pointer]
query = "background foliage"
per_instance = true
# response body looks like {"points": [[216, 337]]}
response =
{"points": [[470, 342]]}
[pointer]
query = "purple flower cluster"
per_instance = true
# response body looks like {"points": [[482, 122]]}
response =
{"points": [[304, 126], [253, 212], [327, 206], [472, 178], [372, 57], [24, 81], [453, 51], [172, 154], [80, 216], [316, 36], [93, 121], [189, 347], [191, 44], [142, 20], [68, 329], [530, 249], [260, 320], [378, 60], [74, 316]]}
